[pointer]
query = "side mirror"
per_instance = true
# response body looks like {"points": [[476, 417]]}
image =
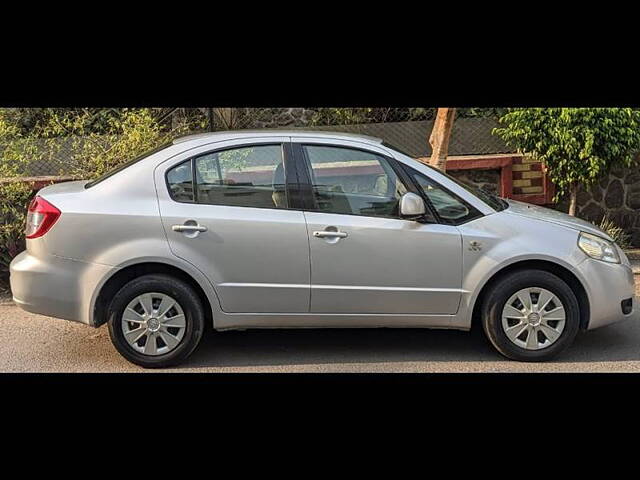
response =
{"points": [[412, 206]]}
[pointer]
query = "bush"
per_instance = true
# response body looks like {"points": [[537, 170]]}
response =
{"points": [[618, 234], [14, 199]]}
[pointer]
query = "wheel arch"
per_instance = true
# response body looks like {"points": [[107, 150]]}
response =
{"points": [[123, 275], [536, 264]]}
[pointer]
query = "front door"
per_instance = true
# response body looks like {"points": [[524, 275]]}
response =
{"points": [[227, 212], [364, 257]]}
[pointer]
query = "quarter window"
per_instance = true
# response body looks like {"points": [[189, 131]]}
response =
{"points": [[450, 208], [353, 182], [180, 181]]}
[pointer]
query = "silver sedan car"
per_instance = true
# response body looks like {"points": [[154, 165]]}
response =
{"points": [[290, 229]]}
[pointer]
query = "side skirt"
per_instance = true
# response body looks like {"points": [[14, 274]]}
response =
{"points": [[234, 321]]}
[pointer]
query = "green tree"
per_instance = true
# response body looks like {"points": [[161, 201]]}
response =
{"points": [[577, 145]]}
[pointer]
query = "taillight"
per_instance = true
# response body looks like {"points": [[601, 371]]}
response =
{"points": [[40, 217]]}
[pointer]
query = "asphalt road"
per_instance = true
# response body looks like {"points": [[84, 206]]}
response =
{"points": [[33, 343]]}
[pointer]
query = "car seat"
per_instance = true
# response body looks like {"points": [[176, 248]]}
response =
{"points": [[279, 195]]}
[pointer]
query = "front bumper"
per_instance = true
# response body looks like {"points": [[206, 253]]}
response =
{"points": [[55, 286], [608, 285]]}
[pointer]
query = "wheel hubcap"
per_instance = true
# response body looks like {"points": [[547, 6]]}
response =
{"points": [[533, 318], [153, 323]]}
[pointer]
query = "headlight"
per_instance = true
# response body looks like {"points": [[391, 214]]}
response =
{"points": [[598, 248]]}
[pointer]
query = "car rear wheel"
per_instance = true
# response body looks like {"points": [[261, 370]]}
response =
{"points": [[156, 321], [530, 315]]}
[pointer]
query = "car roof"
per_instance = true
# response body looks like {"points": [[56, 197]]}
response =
{"points": [[233, 134]]}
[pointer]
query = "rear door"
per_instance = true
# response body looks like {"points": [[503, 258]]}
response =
{"points": [[229, 210], [365, 258]]}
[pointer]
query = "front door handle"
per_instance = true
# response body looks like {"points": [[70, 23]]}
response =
{"points": [[189, 228], [330, 234]]}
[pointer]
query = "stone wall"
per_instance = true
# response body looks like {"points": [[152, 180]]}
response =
{"points": [[616, 195], [487, 179]]}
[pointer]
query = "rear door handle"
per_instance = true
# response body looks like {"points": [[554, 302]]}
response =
{"points": [[189, 228], [330, 234]]}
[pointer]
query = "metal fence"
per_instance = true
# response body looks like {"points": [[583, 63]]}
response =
{"points": [[405, 128]]}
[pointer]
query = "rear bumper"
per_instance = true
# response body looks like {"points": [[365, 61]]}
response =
{"points": [[54, 286], [608, 285]]}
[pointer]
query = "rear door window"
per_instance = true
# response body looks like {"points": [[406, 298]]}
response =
{"points": [[247, 176]]}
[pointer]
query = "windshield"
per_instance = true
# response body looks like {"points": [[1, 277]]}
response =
{"points": [[126, 164], [489, 198]]}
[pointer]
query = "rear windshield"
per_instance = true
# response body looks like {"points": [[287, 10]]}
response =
{"points": [[127, 164]]}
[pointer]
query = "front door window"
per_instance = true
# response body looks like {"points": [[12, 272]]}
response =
{"points": [[353, 182]]}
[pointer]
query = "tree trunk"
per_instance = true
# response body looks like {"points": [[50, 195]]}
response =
{"points": [[226, 115], [210, 117], [440, 136], [573, 199]]}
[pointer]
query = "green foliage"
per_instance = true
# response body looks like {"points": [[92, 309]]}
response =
{"points": [[576, 144], [92, 142], [13, 151], [474, 112], [84, 142], [14, 199], [355, 116], [94, 151], [342, 116], [235, 159], [622, 238], [30, 120]]}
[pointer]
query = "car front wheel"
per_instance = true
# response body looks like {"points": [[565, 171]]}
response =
{"points": [[530, 315], [156, 321]]}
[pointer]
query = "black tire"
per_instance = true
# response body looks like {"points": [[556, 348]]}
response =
{"points": [[177, 289], [500, 293]]}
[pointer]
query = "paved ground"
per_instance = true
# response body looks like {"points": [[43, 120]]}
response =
{"points": [[33, 343]]}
